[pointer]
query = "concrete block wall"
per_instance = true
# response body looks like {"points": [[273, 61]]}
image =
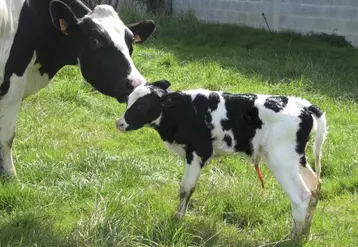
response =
{"points": [[329, 16]]}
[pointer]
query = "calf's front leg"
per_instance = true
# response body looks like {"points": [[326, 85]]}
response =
{"points": [[191, 176]]}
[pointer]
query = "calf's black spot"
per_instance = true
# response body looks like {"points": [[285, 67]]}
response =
{"points": [[304, 129], [214, 101], [243, 119], [228, 140], [276, 103], [208, 120]]}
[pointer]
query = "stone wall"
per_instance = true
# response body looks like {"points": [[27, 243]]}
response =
{"points": [[329, 16]]}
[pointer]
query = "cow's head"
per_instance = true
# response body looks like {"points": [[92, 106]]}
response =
{"points": [[105, 45], [144, 106]]}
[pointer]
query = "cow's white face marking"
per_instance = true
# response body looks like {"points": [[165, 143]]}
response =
{"points": [[107, 18]]}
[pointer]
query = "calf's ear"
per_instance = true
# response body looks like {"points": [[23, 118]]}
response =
{"points": [[173, 99], [162, 84], [62, 16], [142, 30]]}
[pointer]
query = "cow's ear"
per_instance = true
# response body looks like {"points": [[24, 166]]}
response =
{"points": [[62, 16], [173, 99], [142, 30], [163, 84]]}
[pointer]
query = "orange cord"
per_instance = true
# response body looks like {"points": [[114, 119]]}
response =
{"points": [[260, 176]]}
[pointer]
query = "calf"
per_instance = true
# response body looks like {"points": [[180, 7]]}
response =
{"points": [[197, 123]]}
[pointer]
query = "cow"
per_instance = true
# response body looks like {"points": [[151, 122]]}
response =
{"points": [[199, 124], [39, 37]]}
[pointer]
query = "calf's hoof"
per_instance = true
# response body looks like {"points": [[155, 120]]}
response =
{"points": [[179, 216]]}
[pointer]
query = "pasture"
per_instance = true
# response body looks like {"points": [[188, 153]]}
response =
{"points": [[82, 183]]}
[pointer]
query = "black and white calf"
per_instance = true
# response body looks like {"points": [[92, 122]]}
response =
{"points": [[39, 37], [197, 123]]}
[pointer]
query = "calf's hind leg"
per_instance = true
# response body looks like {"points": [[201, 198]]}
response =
{"points": [[286, 170], [191, 176], [314, 185]]}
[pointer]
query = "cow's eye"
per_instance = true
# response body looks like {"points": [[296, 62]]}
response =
{"points": [[94, 42]]}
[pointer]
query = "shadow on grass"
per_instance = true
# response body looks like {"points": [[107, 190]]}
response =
{"points": [[275, 58], [198, 232], [30, 230], [205, 232]]}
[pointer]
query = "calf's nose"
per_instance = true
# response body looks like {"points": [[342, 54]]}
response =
{"points": [[121, 124]]}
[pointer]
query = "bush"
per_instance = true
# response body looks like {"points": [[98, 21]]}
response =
{"points": [[333, 40], [153, 6]]}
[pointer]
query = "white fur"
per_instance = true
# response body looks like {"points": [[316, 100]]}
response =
{"points": [[178, 149], [188, 182], [139, 92], [106, 17]]}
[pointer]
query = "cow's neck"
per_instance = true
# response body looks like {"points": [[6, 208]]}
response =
{"points": [[38, 43]]}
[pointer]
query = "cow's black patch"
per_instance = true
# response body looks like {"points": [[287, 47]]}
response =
{"points": [[36, 34], [228, 140], [276, 103], [214, 100], [243, 120], [303, 133]]}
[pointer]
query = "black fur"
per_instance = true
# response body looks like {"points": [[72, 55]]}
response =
{"points": [[213, 101], [315, 110], [228, 140], [243, 120], [302, 135], [276, 103]]}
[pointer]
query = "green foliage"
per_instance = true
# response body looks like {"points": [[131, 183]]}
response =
{"points": [[152, 6], [82, 183], [334, 40]]}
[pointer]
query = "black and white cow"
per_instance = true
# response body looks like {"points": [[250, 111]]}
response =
{"points": [[198, 123], [39, 37]]}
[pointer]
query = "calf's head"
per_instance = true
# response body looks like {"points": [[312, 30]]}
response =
{"points": [[103, 44], [144, 106]]}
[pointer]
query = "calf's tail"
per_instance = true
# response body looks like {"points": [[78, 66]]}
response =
{"points": [[321, 133]]}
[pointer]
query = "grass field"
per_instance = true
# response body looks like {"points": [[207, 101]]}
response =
{"points": [[82, 183]]}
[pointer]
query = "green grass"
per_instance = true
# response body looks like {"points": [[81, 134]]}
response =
{"points": [[82, 183]]}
